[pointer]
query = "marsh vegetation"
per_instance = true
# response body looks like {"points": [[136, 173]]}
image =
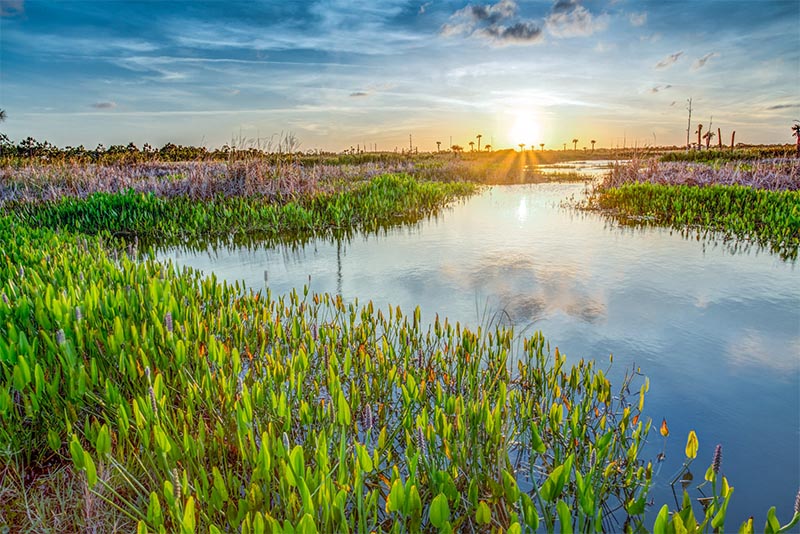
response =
{"points": [[148, 397]]}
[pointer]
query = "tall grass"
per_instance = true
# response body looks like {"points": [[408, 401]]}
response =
{"points": [[176, 219]]}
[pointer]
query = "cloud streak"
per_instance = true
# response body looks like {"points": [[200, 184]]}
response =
{"points": [[701, 62], [669, 60], [104, 105]]}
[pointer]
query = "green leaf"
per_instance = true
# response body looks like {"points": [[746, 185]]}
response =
{"points": [[483, 515], [536, 441], [103, 442], [307, 525], [510, 487], [529, 513], [363, 459], [564, 517], [91, 470], [188, 522], [219, 484], [772, 526], [660, 526], [297, 461], [76, 451], [636, 507], [550, 489], [397, 496], [439, 512], [343, 410]]}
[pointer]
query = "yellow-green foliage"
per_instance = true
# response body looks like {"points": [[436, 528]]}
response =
{"points": [[771, 217], [222, 407]]}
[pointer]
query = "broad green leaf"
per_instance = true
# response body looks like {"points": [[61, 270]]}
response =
{"points": [[536, 440], [364, 459], [660, 526], [772, 526], [550, 490], [188, 522], [397, 496], [76, 451], [483, 515], [103, 442], [439, 512], [564, 517], [91, 471], [510, 487], [219, 484], [307, 525]]}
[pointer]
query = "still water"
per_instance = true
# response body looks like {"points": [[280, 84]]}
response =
{"points": [[716, 331]]}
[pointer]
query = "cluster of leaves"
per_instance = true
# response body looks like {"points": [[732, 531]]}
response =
{"points": [[771, 217], [385, 199], [218, 409]]}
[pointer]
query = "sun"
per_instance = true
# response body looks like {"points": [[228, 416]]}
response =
{"points": [[526, 129]]}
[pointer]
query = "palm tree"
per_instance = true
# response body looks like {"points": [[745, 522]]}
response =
{"points": [[488, 148], [479, 141], [593, 142], [574, 144], [699, 133], [438, 146], [472, 146], [541, 145], [521, 147], [2, 115], [709, 135], [795, 133]]}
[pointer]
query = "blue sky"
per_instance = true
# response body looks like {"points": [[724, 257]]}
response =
{"points": [[337, 73]]}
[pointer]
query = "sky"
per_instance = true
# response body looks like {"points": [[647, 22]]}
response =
{"points": [[337, 74]]}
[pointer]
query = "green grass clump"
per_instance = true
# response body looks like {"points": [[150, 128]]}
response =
{"points": [[192, 404], [771, 217], [385, 199]]}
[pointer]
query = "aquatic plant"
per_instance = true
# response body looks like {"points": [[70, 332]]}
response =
{"points": [[771, 217], [177, 219], [188, 403]]}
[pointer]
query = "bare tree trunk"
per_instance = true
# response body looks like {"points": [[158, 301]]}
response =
{"points": [[733, 136], [719, 137]]}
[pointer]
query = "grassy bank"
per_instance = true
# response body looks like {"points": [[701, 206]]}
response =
{"points": [[177, 219], [755, 201], [766, 216]]}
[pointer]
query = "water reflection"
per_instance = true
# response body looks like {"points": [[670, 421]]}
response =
{"points": [[716, 330]]}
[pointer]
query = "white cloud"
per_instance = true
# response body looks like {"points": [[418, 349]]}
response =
{"points": [[573, 20]]}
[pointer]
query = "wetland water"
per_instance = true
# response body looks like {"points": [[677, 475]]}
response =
{"points": [[716, 331]]}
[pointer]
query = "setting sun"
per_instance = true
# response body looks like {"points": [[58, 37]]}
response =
{"points": [[526, 129]]}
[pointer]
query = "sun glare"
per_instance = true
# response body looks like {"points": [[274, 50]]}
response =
{"points": [[525, 130]]}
